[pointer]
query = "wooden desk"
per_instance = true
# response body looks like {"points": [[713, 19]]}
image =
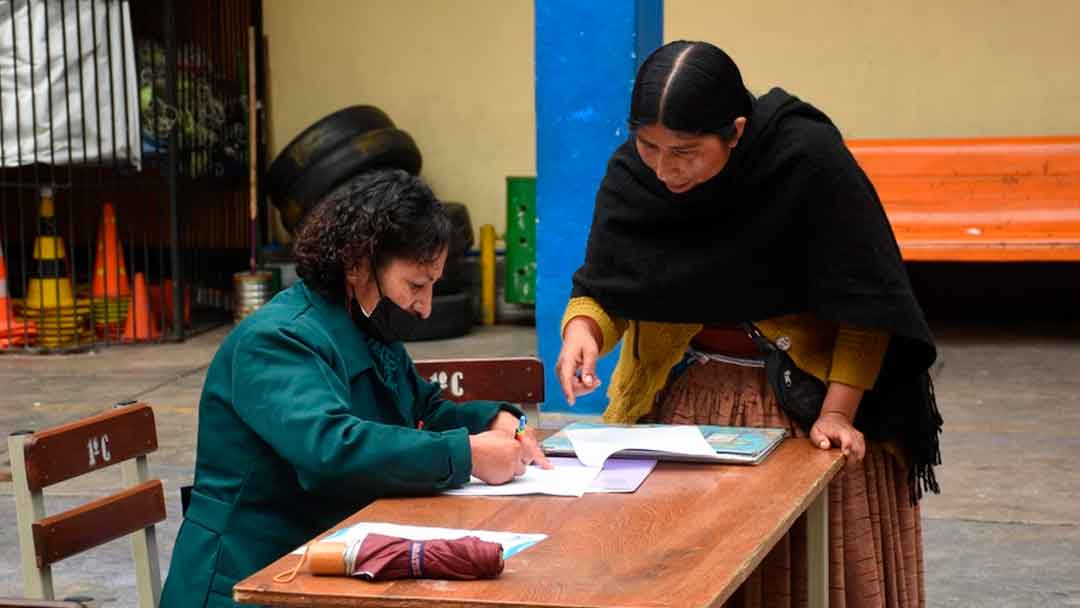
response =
{"points": [[688, 537]]}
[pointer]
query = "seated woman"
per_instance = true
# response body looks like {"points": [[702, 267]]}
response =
{"points": [[312, 408]]}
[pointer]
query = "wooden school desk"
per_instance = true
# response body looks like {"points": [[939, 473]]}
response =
{"points": [[688, 537]]}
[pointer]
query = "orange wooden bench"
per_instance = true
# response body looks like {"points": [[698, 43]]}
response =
{"points": [[1011, 199]]}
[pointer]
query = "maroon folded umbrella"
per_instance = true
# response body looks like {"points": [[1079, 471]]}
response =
{"points": [[379, 557], [382, 557]]}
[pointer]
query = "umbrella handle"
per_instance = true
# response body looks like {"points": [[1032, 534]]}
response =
{"points": [[327, 558], [287, 576]]}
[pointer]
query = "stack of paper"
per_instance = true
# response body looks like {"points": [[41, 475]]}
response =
{"points": [[594, 446], [728, 444]]}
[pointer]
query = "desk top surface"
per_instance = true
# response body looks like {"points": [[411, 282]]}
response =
{"points": [[689, 536]]}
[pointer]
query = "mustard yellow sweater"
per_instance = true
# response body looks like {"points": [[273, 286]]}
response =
{"points": [[848, 355]]}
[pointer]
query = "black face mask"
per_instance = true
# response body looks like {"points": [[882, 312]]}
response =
{"points": [[387, 323]]}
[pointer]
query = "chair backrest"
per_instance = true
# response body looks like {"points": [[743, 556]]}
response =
{"points": [[123, 435], [514, 379]]}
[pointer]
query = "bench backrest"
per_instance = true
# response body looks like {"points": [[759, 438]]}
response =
{"points": [[124, 435], [984, 199]]}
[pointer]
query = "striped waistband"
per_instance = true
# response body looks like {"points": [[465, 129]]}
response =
{"points": [[705, 357]]}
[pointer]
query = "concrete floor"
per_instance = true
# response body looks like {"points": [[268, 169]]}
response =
{"points": [[1006, 531]]}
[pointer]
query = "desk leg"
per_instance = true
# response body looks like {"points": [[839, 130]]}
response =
{"points": [[817, 550]]}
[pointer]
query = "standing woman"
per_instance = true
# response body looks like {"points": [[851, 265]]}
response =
{"points": [[725, 215], [312, 408]]}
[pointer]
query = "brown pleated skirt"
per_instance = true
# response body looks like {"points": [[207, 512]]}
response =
{"points": [[875, 533]]}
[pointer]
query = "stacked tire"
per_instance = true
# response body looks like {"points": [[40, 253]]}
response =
{"points": [[326, 154], [349, 142]]}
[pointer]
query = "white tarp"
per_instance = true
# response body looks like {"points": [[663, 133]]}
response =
{"points": [[82, 96]]}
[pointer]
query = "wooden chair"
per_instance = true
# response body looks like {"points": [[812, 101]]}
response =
{"points": [[518, 380], [123, 435]]}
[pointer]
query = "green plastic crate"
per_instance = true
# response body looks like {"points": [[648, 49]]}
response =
{"points": [[520, 285]]}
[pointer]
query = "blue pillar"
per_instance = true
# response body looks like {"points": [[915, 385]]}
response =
{"points": [[587, 54]]}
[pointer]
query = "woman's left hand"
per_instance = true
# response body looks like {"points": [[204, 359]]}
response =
{"points": [[835, 429], [505, 422]]}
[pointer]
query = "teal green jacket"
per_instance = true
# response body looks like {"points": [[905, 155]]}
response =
{"points": [[303, 421]]}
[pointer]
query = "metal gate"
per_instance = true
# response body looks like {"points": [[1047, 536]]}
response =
{"points": [[124, 181]]}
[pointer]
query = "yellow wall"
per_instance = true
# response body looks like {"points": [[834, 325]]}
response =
{"points": [[905, 68], [456, 74]]}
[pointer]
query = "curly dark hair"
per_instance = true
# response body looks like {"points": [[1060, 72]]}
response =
{"points": [[384, 215]]}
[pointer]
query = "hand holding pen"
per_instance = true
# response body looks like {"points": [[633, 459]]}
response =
{"points": [[519, 429]]}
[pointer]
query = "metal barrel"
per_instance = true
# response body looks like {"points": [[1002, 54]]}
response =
{"points": [[251, 291]]}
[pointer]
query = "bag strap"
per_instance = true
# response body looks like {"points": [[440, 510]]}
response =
{"points": [[764, 344]]}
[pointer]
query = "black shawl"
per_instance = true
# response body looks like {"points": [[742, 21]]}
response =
{"points": [[791, 224]]}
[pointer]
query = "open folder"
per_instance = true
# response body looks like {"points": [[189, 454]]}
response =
{"points": [[730, 444]]}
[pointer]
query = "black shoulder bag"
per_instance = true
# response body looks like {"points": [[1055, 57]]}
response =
{"points": [[799, 393]]}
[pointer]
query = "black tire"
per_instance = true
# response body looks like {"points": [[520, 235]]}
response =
{"points": [[461, 235], [451, 316], [381, 148], [316, 141], [455, 277], [292, 212]]}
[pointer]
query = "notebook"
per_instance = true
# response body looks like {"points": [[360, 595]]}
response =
{"points": [[732, 444]]}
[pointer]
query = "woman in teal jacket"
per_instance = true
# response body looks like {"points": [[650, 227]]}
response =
{"points": [[312, 408]]}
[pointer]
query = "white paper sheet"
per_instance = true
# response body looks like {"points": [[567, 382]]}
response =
{"points": [[512, 542], [621, 475], [560, 481], [594, 446]]}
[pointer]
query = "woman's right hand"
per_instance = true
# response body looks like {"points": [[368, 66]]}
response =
{"points": [[496, 457], [576, 365]]}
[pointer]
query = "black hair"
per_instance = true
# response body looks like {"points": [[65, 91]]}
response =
{"points": [[689, 86], [381, 215]]}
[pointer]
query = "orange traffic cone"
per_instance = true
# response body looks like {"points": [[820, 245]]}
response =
{"points": [[110, 274], [167, 302], [13, 332], [161, 303], [110, 290], [6, 312], [141, 324]]}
